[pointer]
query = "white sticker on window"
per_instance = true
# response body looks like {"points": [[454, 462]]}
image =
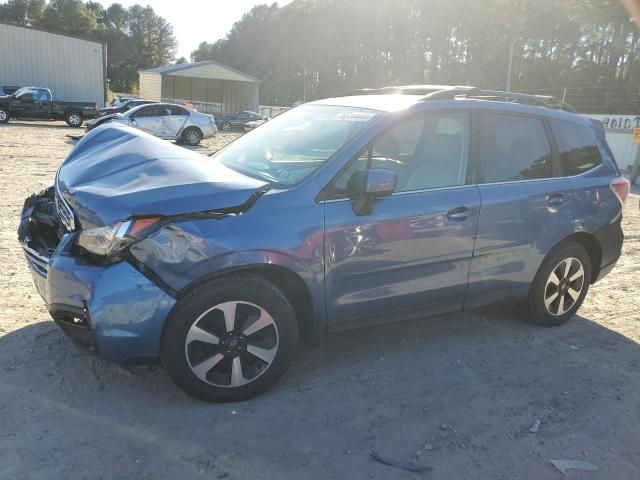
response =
{"points": [[353, 116]]}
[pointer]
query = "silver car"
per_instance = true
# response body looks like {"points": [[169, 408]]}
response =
{"points": [[165, 120]]}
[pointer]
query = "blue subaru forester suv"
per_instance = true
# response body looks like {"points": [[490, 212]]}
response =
{"points": [[349, 211]]}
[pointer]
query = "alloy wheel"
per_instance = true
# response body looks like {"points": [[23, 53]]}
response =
{"points": [[564, 286], [3, 115], [74, 119], [192, 137], [231, 344]]}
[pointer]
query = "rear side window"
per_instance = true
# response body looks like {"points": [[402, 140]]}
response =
{"points": [[577, 147], [514, 148]]}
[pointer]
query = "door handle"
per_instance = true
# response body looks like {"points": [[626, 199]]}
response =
{"points": [[459, 214], [557, 199]]}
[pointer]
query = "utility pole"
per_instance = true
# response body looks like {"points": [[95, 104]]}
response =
{"points": [[513, 44]]}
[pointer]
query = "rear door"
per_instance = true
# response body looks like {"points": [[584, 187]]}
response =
{"points": [[410, 256], [240, 119], [43, 99], [173, 119], [526, 205]]}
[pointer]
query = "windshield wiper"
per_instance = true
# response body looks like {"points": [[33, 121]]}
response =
{"points": [[272, 181]]}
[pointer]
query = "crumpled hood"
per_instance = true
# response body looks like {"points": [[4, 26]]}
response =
{"points": [[116, 172]]}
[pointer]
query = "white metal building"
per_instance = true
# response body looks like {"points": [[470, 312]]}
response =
{"points": [[619, 130], [73, 68], [210, 86]]}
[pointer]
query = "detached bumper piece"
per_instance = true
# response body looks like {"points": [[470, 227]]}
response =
{"points": [[76, 324]]}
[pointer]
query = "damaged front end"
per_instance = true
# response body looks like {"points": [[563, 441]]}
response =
{"points": [[43, 226], [41, 229], [103, 304]]}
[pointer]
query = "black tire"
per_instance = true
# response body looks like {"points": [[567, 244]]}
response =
{"points": [[191, 136], [4, 115], [74, 119], [226, 127], [192, 308], [543, 287]]}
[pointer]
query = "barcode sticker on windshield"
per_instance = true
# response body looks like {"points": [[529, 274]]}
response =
{"points": [[353, 116]]}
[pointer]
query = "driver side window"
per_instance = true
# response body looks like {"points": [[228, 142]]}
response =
{"points": [[26, 95], [426, 153]]}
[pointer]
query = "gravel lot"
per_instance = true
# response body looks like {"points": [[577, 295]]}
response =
{"points": [[457, 393]]}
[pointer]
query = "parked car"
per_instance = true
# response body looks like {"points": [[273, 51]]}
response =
{"points": [[35, 103], [119, 100], [237, 120], [124, 106], [166, 121], [8, 90], [342, 212]]}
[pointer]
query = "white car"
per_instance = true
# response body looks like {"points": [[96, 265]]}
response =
{"points": [[165, 120]]}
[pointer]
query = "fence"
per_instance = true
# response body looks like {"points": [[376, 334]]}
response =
{"points": [[215, 109]]}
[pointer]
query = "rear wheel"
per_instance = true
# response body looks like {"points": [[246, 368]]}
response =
{"points": [[74, 119], [4, 115], [191, 136], [229, 339], [560, 286], [226, 126]]}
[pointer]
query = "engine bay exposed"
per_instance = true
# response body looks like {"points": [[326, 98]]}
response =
{"points": [[40, 228]]}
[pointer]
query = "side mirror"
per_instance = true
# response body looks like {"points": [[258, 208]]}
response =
{"points": [[365, 187], [132, 121]]}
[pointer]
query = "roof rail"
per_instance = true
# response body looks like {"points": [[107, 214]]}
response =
{"points": [[422, 90], [450, 92], [499, 96]]}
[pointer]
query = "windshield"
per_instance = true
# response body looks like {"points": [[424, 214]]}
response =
{"points": [[294, 144]]}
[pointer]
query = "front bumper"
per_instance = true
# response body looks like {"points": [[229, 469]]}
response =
{"points": [[113, 309]]}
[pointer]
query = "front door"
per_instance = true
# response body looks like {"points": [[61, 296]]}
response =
{"points": [[26, 104], [410, 257], [148, 119]]}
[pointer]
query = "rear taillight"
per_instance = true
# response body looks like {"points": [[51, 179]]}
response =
{"points": [[621, 187]]}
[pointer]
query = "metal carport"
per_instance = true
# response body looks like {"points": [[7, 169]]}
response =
{"points": [[209, 86]]}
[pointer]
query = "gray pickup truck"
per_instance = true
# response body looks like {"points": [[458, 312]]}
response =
{"points": [[36, 103]]}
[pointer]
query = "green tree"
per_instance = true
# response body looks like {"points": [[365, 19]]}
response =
{"points": [[318, 48], [69, 16], [26, 13]]}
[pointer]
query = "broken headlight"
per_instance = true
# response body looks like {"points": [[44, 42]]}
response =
{"points": [[114, 239]]}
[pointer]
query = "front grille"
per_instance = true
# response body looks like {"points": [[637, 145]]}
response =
{"points": [[37, 261], [65, 213]]}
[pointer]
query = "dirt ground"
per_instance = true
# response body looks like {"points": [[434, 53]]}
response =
{"points": [[457, 393]]}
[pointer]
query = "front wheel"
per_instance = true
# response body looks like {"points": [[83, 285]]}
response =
{"points": [[560, 286], [4, 115], [74, 119], [229, 339]]}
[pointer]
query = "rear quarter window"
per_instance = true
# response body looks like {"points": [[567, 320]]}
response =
{"points": [[577, 146]]}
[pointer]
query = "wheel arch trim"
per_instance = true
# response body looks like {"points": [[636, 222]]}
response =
{"points": [[288, 273]]}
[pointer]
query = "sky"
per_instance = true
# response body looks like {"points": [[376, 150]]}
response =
{"points": [[195, 21]]}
